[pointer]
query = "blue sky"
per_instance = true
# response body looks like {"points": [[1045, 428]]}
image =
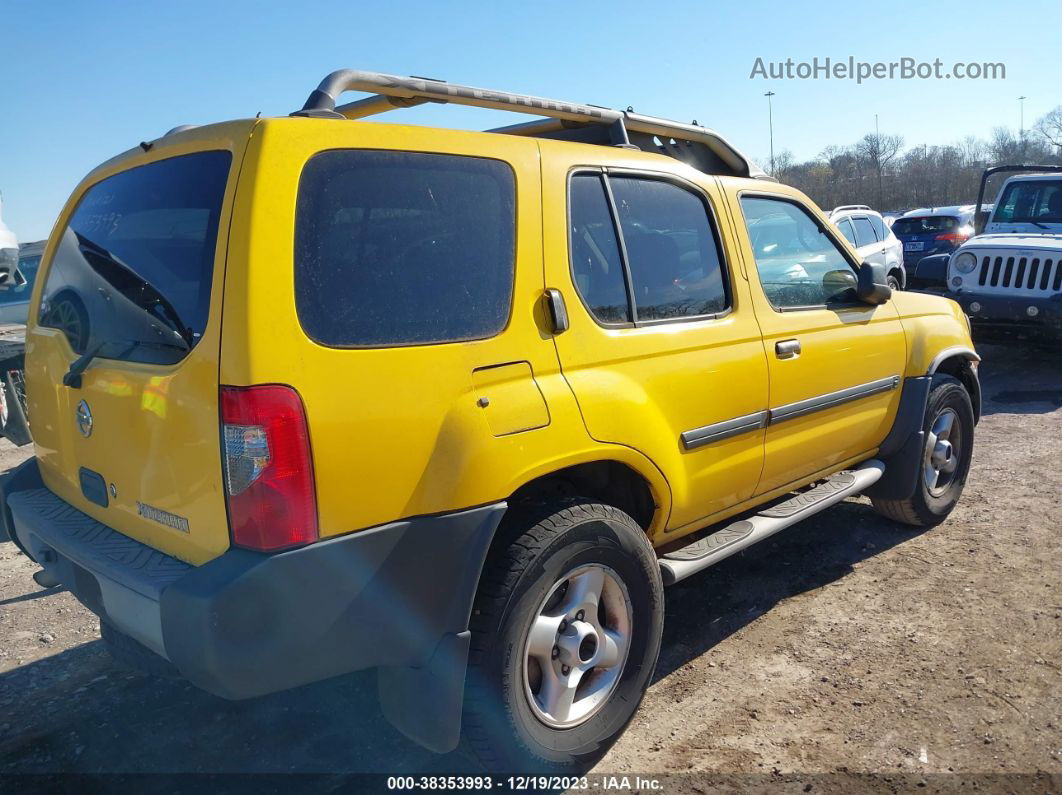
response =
{"points": [[83, 81]]}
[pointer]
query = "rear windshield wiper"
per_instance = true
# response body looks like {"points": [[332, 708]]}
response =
{"points": [[72, 378], [141, 292]]}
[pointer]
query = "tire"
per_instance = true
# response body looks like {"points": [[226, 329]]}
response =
{"points": [[546, 555], [130, 653], [928, 506], [894, 282]]}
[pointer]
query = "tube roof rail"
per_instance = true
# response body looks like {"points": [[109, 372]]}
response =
{"points": [[697, 146]]}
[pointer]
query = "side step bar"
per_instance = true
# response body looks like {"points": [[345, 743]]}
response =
{"points": [[733, 538]]}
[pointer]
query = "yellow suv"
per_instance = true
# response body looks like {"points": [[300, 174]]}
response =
{"points": [[311, 395]]}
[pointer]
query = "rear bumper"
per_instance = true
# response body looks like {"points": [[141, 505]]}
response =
{"points": [[247, 623], [1004, 313]]}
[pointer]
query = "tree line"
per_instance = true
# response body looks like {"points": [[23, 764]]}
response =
{"points": [[879, 171]]}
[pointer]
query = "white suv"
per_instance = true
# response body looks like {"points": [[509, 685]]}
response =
{"points": [[867, 231], [1009, 279]]}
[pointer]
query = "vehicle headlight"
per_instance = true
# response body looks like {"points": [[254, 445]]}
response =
{"points": [[965, 262]]}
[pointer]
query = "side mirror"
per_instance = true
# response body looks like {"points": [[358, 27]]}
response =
{"points": [[836, 284], [872, 286]]}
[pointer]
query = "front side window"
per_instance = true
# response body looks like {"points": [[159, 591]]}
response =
{"points": [[673, 267], [403, 248], [131, 276], [799, 265], [1033, 201]]}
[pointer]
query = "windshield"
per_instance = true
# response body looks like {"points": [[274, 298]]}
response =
{"points": [[1030, 201], [27, 266], [136, 262]]}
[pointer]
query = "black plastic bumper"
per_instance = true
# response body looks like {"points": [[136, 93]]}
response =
{"points": [[929, 273], [1017, 314], [397, 596]]}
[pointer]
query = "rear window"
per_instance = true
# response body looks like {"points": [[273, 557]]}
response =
{"points": [[921, 225], [403, 248], [131, 276]]}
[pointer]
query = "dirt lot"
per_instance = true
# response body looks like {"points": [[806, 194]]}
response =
{"points": [[846, 645]]}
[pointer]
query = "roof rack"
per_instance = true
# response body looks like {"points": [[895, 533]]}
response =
{"points": [[692, 144], [844, 207]]}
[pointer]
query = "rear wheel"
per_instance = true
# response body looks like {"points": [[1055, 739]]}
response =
{"points": [[565, 636], [893, 281], [945, 457]]}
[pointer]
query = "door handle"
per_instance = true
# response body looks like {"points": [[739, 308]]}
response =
{"points": [[787, 349], [558, 311]]}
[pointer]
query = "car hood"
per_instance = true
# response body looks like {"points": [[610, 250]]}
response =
{"points": [[1049, 242]]}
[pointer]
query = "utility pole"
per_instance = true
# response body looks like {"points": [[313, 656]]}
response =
{"points": [[770, 126]]}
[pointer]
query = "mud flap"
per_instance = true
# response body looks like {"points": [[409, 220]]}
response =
{"points": [[425, 703]]}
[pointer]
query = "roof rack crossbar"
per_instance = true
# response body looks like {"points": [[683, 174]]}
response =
{"points": [[391, 91]]}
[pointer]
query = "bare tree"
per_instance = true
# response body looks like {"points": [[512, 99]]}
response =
{"points": [[877, 150], [1049, 127]]}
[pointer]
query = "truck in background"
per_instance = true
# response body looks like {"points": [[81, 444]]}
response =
{"points": [[15, 291]]}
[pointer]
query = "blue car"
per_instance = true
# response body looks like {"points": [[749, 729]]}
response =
{"points": [[938, 230]]}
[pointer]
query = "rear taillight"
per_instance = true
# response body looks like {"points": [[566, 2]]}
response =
{"points": [[954, 237], [269, 480]]}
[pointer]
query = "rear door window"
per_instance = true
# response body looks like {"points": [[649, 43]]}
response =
{"points": [[597, 266], [879, 227], [864, 231], [672, 250], [403, 248], [132, 273]]}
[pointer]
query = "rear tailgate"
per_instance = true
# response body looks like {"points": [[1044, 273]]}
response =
{"points": [[132, 285]]}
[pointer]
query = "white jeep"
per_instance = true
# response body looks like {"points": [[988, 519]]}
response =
{"points": [[1008, 278]]}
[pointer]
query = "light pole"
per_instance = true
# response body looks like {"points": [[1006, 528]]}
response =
{"points": [[1021, 116], [770, 126]]}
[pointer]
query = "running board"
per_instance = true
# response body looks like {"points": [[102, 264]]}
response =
{"points": [[733, 538]]}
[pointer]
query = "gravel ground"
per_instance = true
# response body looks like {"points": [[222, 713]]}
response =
{"points": [[846, 646]]}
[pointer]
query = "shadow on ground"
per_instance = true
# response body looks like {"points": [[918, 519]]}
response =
{"points": [[102, 718]]}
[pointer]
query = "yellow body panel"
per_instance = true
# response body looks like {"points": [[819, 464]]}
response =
{"points": [[155, 430], [840, 348], [643, 387], [406, 431]]}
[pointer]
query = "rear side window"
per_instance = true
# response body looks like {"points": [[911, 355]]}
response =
{"points": [[403, 248], [673, 268], [671, 248], [864, 231], [131, 276], [879, 227], [596, 262]]}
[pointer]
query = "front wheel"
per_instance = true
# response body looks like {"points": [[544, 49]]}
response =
{"points": [[945, 457], [565, 635]]}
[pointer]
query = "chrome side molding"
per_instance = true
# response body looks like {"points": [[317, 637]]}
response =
{"points": [[717, 431]]}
